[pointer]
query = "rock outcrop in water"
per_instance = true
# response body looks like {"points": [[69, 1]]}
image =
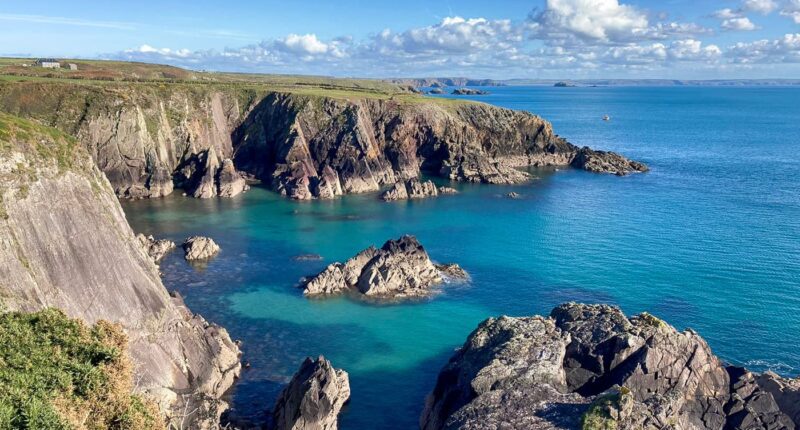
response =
{"points": [[468, 92], [149, 139], [156, 249], [65, 243], [410, 189], [313, 398], [199, 248], [591, 367], [399, 269]]}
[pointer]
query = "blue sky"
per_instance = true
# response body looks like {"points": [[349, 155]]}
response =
{"points": [[677, 39]]}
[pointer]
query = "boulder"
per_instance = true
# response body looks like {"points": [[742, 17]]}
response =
{"points": [[197, 248], [590, 366], [411, 189], [606, 162], [399, 269], [156, 249], [313, 398]]}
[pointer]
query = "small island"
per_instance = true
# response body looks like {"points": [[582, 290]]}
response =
{"points": [[562, 84], [469, 92]]}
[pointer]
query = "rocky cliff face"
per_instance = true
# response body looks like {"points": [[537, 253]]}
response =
{"points": [[146, 138], [313, 398], [592, 367], [320, 147], [149, 138], [65, 243]]}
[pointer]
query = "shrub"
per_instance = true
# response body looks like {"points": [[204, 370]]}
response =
{"points": [[59, 373]]}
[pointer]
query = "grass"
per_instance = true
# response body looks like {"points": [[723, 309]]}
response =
{"points": [[599, 415], [34, 139], [59, 373]]}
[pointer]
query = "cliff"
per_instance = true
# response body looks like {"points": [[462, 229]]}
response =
{"points": [[591, 367], [306, 140], [65, 243]]}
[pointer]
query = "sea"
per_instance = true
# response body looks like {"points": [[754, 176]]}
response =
{"points": [[709, 239]]}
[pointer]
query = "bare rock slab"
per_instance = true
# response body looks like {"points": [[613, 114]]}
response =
{"points": [[157, 249]]}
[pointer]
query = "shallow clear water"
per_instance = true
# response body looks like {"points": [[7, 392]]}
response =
{"points": [[709, 239]]}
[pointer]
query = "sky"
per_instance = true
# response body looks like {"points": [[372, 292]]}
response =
{"points": [[500, 39]]}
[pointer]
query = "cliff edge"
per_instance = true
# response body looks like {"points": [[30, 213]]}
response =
{"points": [[65, 243]]}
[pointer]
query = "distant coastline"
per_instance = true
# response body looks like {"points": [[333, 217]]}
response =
{"points": [[448, 82]]}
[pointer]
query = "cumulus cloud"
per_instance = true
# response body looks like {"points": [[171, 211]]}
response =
{"points": [[738, 24], [451, 35], [600, 20], [783, 50], [764, 7]]}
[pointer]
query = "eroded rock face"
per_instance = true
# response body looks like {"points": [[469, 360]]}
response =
{"points": [[144, 138], [411, 189], [65, 243], [399, 269], [313, 398], [156, 249], [592, 366], [199, 248]]}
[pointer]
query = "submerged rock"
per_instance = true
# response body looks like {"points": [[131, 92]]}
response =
{"points": [[411, 189], [200, 248], [399, 269], [452, 271], [307, 257], [513, 195], [589, 366], [156, 249], [447, 190], [313, 398]]}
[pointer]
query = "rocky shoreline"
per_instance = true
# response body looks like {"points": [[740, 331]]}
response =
{"points": [[304, 147]]}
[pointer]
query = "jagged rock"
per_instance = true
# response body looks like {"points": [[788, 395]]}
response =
{"points": [[447, 190], [399, 269], [786, 393], [411, 189], [230, 182], [156, 249], [513, 195], [199, 248], [452, 271], [592, 362], [313, 398], [65, 243], [436, 91], [606, 162], [206, 185]]}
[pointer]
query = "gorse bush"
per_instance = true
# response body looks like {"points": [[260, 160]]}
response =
{"points": [[59, 373]]}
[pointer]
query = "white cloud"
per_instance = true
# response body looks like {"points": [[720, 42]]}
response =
{"points": [[764, 7], [600, 20], [307, 44], [738, 24], [792, 10], [451, 35], [727, 13], [60, 20], [782, 50]]}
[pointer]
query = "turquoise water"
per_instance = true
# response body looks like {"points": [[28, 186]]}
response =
{"points": [[709, 239]]}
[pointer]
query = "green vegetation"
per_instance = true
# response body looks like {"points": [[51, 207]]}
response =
{"points": [[31, 138], [58, 373], [604, 413]]}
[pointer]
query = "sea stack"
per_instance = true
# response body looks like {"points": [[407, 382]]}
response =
{"points": [[313, 398]]}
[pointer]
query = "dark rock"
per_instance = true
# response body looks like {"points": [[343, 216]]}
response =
{"points": [[313, 398], [452, 271], [513, 195], [606, 162], [436, 91], [468, 92], [592, 362]]}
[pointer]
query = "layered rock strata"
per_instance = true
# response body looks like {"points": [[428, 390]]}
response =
{"points": [[65, 243], [313, 398], [148, 139], [410, 189], [589, 366], [400, 269]]}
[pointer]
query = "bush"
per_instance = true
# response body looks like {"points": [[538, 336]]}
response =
{"points": [[59, 373]]}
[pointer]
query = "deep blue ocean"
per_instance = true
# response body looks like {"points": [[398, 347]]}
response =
{"points": [[709, 239]]}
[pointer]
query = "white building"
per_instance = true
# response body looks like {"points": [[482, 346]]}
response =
{"points": [[48, 63], [72, 66]]}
